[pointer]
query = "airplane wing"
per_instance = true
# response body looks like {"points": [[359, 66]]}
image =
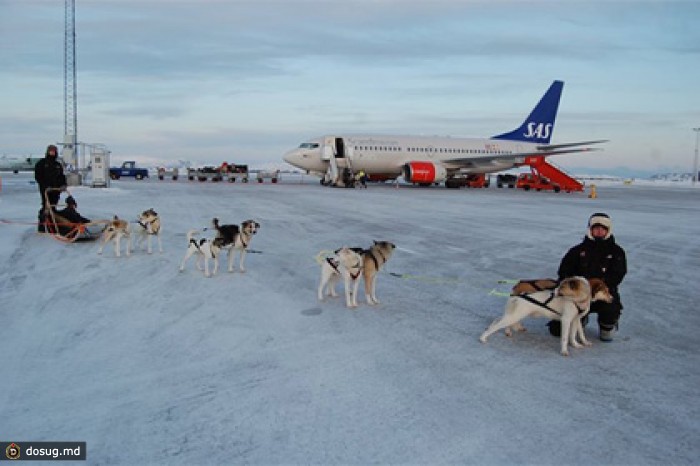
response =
{"points": [[548, 147], [519, 158]]}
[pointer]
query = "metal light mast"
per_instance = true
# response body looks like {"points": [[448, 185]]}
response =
{"points": [[695, 160], [70, 86]]}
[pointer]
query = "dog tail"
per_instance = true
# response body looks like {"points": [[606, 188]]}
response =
{"points": [[191, 234], [322, 256], [215, 222]]}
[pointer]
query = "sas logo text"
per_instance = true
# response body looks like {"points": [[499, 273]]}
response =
{"points": [[538, 130]]}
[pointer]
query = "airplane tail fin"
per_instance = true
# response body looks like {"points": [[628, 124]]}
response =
{"points": [[538, 127]]}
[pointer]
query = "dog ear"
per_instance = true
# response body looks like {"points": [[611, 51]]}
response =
{"points": [[596, 285]]}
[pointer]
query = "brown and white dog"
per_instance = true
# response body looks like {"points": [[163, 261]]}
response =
{"points": [[205, 250], [373, 259], [148, 226], [344, 263], [115, 230], [236, 238], [569, 303]]}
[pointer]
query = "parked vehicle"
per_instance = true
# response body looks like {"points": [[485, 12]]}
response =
{"points": [[472, 180], [506, 179], [128, 169], [529, 181]]}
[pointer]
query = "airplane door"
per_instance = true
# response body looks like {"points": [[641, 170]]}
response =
{"points": [[339, 148], [327, 151]]}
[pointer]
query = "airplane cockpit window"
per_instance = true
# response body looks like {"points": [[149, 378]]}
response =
{"points": [[309, 145]]}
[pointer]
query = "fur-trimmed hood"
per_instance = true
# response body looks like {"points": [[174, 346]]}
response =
{"points": [[601, 219]]}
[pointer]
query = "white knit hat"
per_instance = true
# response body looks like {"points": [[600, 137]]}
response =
{"points": [[602, 220]]}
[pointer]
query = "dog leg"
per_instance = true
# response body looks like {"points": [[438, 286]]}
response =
{"points": [[216, 265], [348, 288], [103, 243], [188, 254], [160, 244], [241, 267], [507, 320], [355, 286], [117, 245], [566, 321], [331, 285], [578, 331], [518, 327], [374, 289], [368, 289], [206, 266], [321, 285], [230, 258]]}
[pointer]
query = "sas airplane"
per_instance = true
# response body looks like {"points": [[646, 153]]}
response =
{"points": [[428, 160]]}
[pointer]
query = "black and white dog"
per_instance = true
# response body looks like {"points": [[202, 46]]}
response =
{"points": [[236, 237], [204, 249]]}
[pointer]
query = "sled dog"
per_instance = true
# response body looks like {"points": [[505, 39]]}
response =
{"points": [[204, 249], [569, 303], [115, 230], [344, 263], [374, 259], [236, 237], [148, 226]]}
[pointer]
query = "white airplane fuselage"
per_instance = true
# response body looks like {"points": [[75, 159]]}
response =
{"points": [[385, 156]]}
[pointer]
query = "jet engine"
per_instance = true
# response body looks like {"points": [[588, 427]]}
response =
{"points": [[424, 172]]}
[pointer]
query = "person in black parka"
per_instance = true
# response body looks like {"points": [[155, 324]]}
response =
{"points": [[598, 256], [71, 216], [48, 173]]}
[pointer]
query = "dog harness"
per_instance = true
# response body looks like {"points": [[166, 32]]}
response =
{"points": [[533, 283], [334, 264], [532, 300], [197, 245], [147, 226]]}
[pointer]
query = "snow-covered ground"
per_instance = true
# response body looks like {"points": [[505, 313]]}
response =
{"points": [[152, 366]]}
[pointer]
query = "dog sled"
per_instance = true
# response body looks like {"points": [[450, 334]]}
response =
{"points": [[62, 229]]}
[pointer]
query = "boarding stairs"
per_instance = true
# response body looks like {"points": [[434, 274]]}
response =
{"points": [[540, 167], [336, 169]]}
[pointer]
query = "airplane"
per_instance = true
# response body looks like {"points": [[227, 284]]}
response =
{"points": [[17, 164], [432, 160]]}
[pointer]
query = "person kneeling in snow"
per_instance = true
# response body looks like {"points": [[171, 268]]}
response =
{"points": [[598, 256]]}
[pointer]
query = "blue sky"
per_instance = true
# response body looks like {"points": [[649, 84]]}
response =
{"points": [[244, 81]]}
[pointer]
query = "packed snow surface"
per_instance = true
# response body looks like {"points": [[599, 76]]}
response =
{"points": [[150, 365]]}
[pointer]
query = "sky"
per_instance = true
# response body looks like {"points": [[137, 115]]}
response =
{"points": [[149, 365], [245, 81]]}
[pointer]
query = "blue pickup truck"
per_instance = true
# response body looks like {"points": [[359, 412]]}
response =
{"points": [[128, 169]]}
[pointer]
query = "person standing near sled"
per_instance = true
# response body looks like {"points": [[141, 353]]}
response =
{"points": [[598, 256], [48, 173]]}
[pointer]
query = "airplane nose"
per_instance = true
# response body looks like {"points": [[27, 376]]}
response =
{"points": [[292, 157]]}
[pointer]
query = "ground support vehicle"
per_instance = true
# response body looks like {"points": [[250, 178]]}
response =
{"points": [[472, 180], [128, 169], [506, 179], [162, 173], [273, 176]]}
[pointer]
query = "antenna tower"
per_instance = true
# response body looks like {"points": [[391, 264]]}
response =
{"points": [[70, 86]]}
